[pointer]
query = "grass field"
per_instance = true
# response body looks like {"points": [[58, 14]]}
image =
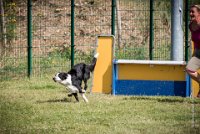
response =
{"points": [[42, 106]]}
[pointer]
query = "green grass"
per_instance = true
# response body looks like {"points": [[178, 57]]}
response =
{"points": [[42, 106]]}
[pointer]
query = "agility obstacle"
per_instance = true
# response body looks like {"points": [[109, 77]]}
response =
{"points": [[102, 78], [142, 77], [139, 77]]}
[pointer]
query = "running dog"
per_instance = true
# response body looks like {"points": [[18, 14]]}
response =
{"points": [[72, 80]]}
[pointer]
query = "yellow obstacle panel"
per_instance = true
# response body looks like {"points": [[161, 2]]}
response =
{"points": [[151, 72], [195, 87], [102, 80]]}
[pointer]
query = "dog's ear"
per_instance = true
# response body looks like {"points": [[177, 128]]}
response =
{"points": [[62, 76]]}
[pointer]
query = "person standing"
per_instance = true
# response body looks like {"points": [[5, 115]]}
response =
{"points": [[194, 63]]}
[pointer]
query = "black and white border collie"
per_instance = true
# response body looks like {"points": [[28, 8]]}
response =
{"points": [[73, 79]]}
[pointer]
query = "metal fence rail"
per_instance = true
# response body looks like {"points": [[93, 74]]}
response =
{"points": [[50, 33]]}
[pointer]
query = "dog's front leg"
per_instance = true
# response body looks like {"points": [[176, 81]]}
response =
{"points": [[84, 97], [69, 94], [76, 96]]}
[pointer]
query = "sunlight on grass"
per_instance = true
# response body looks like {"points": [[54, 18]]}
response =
{"points": [[42, 106]]}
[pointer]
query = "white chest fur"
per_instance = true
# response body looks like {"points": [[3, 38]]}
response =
{"points": [[68, 83], [72, 89]]}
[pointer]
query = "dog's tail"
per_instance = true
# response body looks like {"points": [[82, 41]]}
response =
{"points": [[94, 60]]}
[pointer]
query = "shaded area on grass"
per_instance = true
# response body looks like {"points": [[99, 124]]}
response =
{"points": [[169, 99], [64, 100]]}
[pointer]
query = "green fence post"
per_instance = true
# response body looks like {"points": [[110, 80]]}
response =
{"points": [[72, 33], [186, 29], [29, 40], [151, 38], [188, 79], [113, 17]]}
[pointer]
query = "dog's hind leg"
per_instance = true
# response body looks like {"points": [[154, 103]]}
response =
{"points": [[85, 85], [86, 77], [78, 86], [77, 83]]}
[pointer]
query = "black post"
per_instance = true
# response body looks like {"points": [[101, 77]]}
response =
{"points": [[113, 17], [186, 29], [72, 33], [29, 40], [151, 38]]}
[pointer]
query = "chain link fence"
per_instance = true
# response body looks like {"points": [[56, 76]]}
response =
{"points": [[50, 36], [51, 33], [92, 18], [13, 47], [132, 29]]}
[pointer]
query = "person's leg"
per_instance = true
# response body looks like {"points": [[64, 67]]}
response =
{"points": [[194, 75], [192, 67]]}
